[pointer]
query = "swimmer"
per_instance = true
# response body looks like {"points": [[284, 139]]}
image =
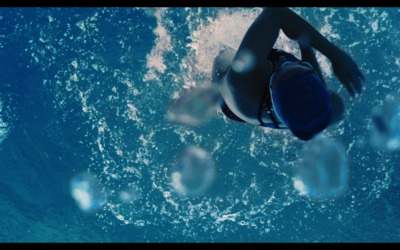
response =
{"points": [[263, 86]]}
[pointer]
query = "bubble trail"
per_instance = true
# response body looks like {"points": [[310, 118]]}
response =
{"points": [[87, 193], [323, 170], [194, 172], [195, 107], [385, 132]]}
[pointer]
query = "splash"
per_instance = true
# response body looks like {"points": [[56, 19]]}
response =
{"points": [[155, 60]]}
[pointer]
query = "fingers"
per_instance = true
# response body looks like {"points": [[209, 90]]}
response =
{"points": [[351, 77], [347, 84], [359, 80], [353, 83], [356, 83]]}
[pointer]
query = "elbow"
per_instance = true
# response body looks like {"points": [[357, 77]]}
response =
{"points": [[276, 11]]}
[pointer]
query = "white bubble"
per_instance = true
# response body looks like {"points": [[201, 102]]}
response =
{"points": [[385, 132], [74, 64], [195, 107], [322, 172], [194, 172], [244, 62], [129, 194], [86, 192]]}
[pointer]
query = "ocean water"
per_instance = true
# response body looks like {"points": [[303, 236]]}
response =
{"points": [[88, 153]]}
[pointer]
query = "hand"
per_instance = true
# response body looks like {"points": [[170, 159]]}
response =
{"points": [[347, 72]]}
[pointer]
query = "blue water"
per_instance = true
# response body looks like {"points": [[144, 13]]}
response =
{"points": [[86, 90]]}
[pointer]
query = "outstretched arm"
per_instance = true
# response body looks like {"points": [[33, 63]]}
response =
{"points": [[345, 69], [263, 33]]}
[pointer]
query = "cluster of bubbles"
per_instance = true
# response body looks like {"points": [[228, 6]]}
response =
{"points": [[90, 197], [385, 132], [194, 171], [322, 171], [191, 175]]}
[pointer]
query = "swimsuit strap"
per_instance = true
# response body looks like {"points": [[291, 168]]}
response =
{"points": [[266, 104], [266, 101]]}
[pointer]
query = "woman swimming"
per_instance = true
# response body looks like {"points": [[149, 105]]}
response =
{"points": [[276, 89]]}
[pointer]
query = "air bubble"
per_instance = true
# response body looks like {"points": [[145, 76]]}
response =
{"points": [[385, 132], [194, 172], [244, 62], [322, 172], [195, 107], [129, 194], [87, 193]]}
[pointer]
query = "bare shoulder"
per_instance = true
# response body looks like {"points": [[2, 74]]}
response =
{"points": [[243, 90]]}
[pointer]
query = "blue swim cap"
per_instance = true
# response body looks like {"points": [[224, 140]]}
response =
{"points": [[303, 104]]}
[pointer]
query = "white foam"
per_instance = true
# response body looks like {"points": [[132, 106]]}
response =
{"points": [[132, 112], [213, 35], [155, 60], [3, 125], [375, 26]]}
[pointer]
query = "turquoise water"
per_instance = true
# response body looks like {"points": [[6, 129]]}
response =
{"points": [[86, 91]]}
